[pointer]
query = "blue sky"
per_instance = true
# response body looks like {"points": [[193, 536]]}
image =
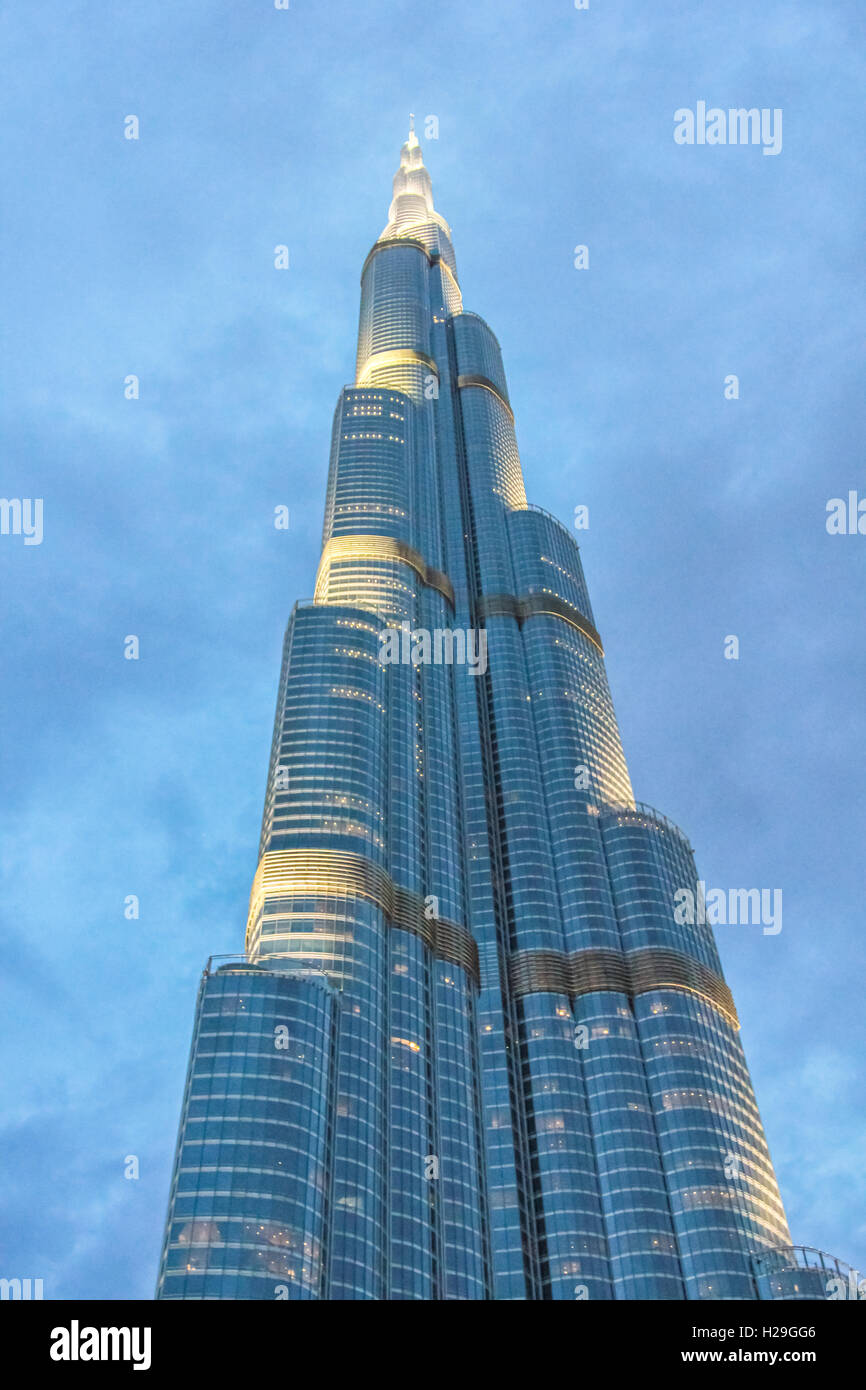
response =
{"points": [[707, 516]]}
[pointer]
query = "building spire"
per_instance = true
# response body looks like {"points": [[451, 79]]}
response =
{"points": [[412, 212]]}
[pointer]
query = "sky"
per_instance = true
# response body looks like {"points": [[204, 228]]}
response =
{"points": [[154, 257]]}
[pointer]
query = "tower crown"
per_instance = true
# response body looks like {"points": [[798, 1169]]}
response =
{"points": [[412, 203]]}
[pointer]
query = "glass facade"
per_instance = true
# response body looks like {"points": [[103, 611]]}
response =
{"points": [[802, 1274], [250, 1195], [469, 1052]]}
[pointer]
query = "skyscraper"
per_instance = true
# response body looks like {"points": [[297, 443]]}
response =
{"points": [[470, 1050]]}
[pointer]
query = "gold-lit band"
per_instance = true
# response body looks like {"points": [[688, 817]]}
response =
{"points": [[379, 548], [386, 243], [631, 973], [396, 357], [338, 874], [531, 605], [487, 385], [443, 265]]}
